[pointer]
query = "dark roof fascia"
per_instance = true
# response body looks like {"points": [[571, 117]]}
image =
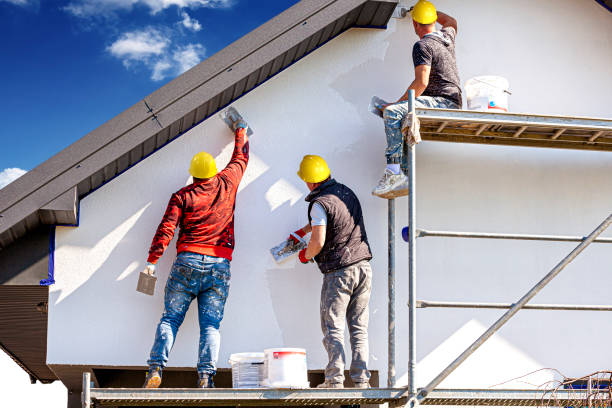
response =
{"points": [[23, 328], [607, 4], [21, 200]]}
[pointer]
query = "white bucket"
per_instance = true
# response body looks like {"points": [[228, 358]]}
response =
{"points": [[247, 370], [486, 93], [286, 368]]}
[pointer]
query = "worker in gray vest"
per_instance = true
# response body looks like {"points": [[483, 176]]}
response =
{"points": [[436, 85], [339, 245]]}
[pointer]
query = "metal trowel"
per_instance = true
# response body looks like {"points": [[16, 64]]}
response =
{"points": [[376, 106], [230, 116], [146, 283], [287, 248]]}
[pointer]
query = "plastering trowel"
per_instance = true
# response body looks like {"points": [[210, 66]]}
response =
{"points": [[287, 248], [146, 283], [231, 116], [376, 106]]}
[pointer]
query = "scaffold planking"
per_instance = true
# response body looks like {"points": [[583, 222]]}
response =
{"points": [[515, 129]]}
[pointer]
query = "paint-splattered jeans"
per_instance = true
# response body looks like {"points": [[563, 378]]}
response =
{"points": [[345, 296], [393, 115], [193, 275]]}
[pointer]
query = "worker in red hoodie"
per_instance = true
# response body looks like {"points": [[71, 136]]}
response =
{"points": [[204, 213]]}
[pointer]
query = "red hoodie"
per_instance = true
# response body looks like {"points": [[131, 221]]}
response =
{"points": [[204, 211]]}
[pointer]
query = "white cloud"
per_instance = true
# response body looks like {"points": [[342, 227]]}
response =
{"points": [[160, 70], [10, 174], [151, 49], [95, 8], [188, 56], [28, 4], [140, 46], [17, 2], [190, 23]]}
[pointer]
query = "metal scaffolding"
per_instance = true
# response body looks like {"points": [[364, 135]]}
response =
{"points": [[437, 125], [500, 129], [395, 397]]}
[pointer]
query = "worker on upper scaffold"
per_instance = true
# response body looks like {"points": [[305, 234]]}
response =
{"points": [[436, 85]]}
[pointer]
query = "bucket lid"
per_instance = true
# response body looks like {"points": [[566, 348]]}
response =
{"points": [[285, 350], [239, 357], [491, 80]]}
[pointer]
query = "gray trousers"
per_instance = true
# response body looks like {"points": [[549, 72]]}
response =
{"points": [[345, 296]]}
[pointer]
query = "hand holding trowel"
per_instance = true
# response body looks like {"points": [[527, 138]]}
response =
{"points": [[234, 120], [377, 106], [147, 280], [292, 245]]}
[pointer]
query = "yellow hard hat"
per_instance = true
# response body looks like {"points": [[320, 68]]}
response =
{"points": [[424, 12], [313, 169], [203, 166]]}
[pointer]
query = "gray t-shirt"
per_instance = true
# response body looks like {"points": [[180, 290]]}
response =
{"points": [[437, 50]]}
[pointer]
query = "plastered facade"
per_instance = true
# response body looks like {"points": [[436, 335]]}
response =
{"points": [[557, 56]]}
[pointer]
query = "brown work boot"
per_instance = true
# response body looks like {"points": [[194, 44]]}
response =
{"points": [[326, 384], [206, 381], [153, 379]]}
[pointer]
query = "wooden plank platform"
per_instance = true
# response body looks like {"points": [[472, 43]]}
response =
{"points": [[515, 129]]}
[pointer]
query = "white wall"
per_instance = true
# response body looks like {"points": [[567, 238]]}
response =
{"points": [[557, 55]]}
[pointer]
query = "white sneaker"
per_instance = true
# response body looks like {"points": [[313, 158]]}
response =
{"points": [[326, 384], [391, 185]]}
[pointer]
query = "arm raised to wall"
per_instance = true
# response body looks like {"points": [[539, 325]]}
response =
{"points": [[446, 21]]}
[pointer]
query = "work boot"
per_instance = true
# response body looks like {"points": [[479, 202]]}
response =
{"points": [[206, 381], [327, 384], [391, 185], [153, 379], [363, 384]]}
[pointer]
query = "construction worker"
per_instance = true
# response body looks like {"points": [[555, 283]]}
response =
{"points": [[340, 247], [204, 210], [436, 85]]}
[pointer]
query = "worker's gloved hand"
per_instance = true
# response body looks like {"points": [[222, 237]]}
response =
{"points": [[302, 256], [240, 124], [300, 233], [150, 269]]}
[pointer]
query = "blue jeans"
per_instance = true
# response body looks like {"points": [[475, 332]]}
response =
{"points": [[193, 275], [393, 115]]}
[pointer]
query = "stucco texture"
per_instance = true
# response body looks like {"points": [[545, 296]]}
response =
{"points": [[557, 56]]}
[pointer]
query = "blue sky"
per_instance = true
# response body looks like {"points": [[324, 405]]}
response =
{"points": [[67, 66]]}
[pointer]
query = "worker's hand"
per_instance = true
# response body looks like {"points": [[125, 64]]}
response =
{"points": [[242, 132], [302, 256], [241, 126], [150, 269], [300, 233]]}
